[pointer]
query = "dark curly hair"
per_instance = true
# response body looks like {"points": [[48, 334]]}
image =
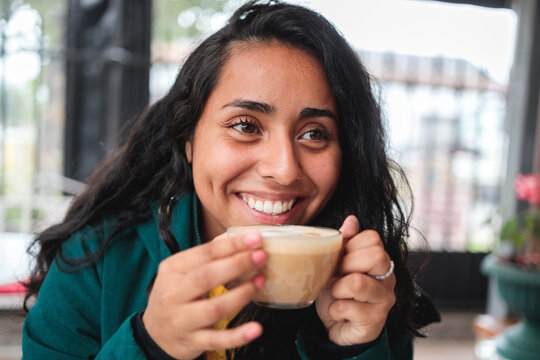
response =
{"points": [[151, 166]]}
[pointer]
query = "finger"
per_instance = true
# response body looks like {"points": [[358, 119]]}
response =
{"points": [[350, 227], [366, 238], [364, 288], [356, 322], [221, 237], [373, 261], [206, 312], [358, 312], [224, 246], [199, 281], [348, 230], [211, 339]]}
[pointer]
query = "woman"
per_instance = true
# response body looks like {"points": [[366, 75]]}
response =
{"points": [[271, 120]]}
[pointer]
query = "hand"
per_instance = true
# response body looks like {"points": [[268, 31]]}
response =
{"points": [[179, 317], [355, 306]]}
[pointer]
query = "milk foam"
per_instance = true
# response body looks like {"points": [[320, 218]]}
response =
{"points": [[294, 239]]}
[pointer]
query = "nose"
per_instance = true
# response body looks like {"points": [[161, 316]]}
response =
{"points": [[279, 161]]}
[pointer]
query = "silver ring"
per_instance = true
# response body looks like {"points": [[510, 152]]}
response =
{"points": [[386, 274]]}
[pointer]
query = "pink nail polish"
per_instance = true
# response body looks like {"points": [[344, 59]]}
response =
{"points": [[253, 240], [258, 257], [259, 281]]}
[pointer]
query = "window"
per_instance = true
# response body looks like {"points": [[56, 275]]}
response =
{"points": [[32, 114], [442, 80]]}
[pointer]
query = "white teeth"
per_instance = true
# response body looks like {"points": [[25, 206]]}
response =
{"points": [[285, 206], [269, 207], [277, 208]]}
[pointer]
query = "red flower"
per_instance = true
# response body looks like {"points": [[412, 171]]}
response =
{"points": [[528, 188], [528, 259]]}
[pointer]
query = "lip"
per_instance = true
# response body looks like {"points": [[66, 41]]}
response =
{"points": [[264, 218], [270, 196]]}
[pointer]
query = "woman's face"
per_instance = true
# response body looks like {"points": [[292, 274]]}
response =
{"points": [[266, 148]]}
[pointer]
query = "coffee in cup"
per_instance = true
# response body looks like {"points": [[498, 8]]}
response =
{"points": [[301, 260]]}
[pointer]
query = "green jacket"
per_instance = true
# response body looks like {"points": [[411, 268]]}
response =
{"points": [[86, 314]]}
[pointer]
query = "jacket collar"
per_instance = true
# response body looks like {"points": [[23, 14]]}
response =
{"points": [[184, 226]]}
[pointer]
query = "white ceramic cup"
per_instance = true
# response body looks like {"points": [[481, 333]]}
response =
{"points": [[301, 260]]}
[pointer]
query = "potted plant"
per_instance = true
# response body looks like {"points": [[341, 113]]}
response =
{"points": [[516, 268]]}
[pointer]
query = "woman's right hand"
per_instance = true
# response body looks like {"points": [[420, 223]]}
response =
{"points": [[180, 318]]}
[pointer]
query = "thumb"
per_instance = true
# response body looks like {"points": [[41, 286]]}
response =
{"points": [[220, 237], [350, 227]]}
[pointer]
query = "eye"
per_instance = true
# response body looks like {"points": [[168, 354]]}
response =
{"points": [[246, 126], [317, 134]]}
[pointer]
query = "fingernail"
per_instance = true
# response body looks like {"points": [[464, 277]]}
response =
{"points": [[252, 332], [259, 281], [258, 257], [253, 239]]}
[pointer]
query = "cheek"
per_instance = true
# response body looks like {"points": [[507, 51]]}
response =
{"points": [[330, 180], [219, 163], [324, 172]]}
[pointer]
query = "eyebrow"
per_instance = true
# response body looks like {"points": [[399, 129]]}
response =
{"points": [[251, 105], [269, 109], [312, 112]]}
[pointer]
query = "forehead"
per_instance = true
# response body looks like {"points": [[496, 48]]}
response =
{"points": [[273, 71], [271, 56], [267, 48]]}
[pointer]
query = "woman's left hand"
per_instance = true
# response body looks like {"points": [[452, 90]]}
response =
{"points": [[355, 306]]}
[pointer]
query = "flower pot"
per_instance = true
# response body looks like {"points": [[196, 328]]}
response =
{"points": [[520, 289]]}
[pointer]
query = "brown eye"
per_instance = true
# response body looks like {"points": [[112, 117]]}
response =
{"points": [[315, 135], [246, 128]]}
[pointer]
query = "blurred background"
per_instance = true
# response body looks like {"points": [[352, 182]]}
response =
{"points": [[458, 81]]}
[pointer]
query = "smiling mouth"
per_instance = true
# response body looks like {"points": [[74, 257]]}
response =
{"points": [[269, 207]]}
